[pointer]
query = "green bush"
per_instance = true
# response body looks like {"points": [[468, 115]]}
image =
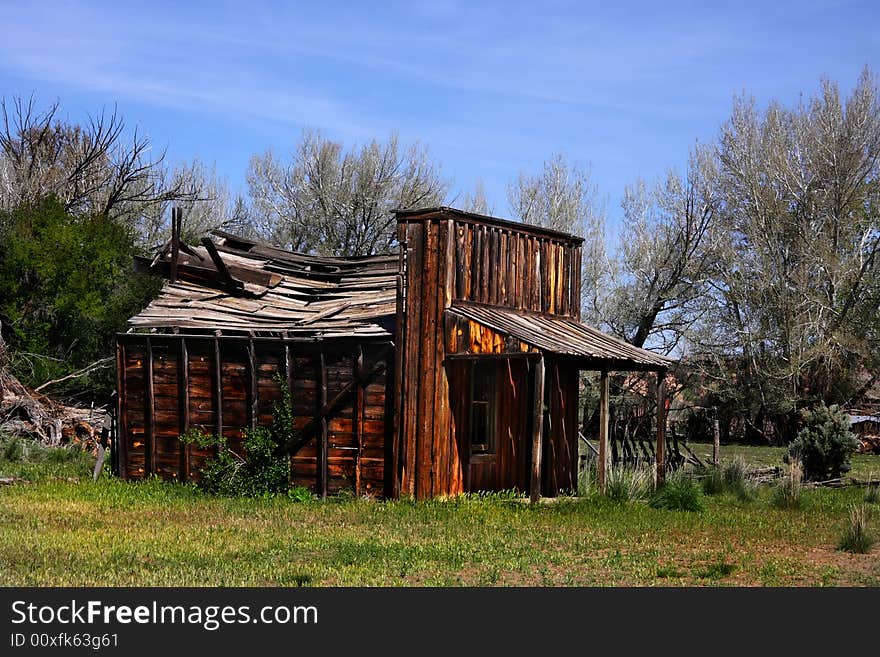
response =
{"points": [[587, 480], [255, 473], [737, 480], [262, 469], [747, 491], [824, 444], [733, 478], [13, 448], [68, 287], [679, 492], [300, 494], [736, 473]]}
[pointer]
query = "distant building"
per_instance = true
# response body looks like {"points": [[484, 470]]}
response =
{"points": [[867, 429]]}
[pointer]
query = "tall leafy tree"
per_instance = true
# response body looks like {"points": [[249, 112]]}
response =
{"points": [[66, 287], [562, 196], [796, 304], [336, 201], [91, 168], [654, 288]]}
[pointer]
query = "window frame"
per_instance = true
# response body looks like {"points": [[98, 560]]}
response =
{"points": [[482, 373]]}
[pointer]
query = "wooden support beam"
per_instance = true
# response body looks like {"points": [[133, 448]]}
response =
{"points": [[398, 443], [176, 219], [661, 427], [219, 264], [509, 355], [218, 391], [398, 446], [150, 433], [359, 418], [288, 375], [425, 367], [322, 466], [254, 394], [120, 440], [537, 430], [604, 452], [183, 368], [288, 367]]}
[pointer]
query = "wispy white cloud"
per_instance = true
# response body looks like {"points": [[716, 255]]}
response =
{"points": [[157, 63], [494, 86], [468, 48]]}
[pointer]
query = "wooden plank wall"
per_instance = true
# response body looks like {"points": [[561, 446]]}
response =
{"points": [[202, 413], [559, 463], [182, 392], [430, 457], [506, 267], [448, 258], [506, 469], [164, 454]]}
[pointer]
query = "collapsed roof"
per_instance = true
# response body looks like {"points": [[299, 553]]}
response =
{"points": [[233, 284], [236, 285]]}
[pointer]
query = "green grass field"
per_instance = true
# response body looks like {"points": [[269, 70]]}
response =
{"points": [[58, 532], [864, 466]]}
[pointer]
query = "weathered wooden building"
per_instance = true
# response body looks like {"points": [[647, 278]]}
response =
{"points": [[450, 366]]}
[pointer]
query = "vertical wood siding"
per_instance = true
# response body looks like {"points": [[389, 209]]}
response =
{"points": [[506, 267], [184, 396], [450, 258]]}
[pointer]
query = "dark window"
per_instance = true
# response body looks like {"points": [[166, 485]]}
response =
{"points": [[482, 408]]}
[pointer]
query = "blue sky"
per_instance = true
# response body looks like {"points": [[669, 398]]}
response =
{"points": [[491, 88]]}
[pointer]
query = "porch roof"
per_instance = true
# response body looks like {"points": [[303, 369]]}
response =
{"points": [[561, 335]]}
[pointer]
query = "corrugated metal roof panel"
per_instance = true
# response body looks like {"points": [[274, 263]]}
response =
{"points": [[559, 335]]}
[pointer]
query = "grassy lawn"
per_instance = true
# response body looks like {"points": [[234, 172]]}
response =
{"points": [[59, 532], [864, 466]]}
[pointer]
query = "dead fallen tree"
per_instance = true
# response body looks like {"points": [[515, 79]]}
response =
{"points": [[33, 415], [88, 369], [30, 414]]}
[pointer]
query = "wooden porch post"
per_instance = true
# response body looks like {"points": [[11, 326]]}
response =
{"points": [[661, 427], [537, 430], [604, 453], [321, 464]]}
